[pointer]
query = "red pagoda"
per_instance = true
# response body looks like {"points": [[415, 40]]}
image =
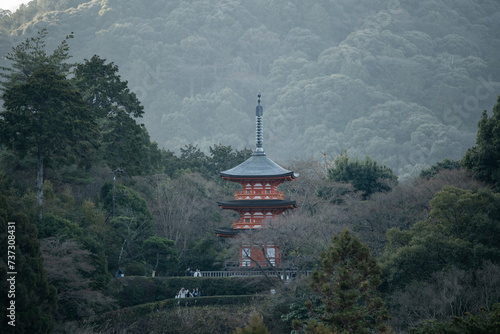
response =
{"points": [[258, 202]]}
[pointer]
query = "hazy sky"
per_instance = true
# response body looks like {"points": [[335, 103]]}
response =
{"points": [[12, 5]]}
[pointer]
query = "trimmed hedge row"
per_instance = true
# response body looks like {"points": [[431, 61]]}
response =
{"points": [[130, 291], [144, 309]]}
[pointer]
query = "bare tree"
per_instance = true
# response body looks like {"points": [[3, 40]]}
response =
{"points": [[183, 208], [68, 269]]}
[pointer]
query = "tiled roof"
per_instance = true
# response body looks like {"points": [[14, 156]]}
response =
{"points": [[257, 165]]}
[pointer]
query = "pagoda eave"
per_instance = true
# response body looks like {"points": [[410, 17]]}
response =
{"points": [[245, 178], [257, 204], [227, 232]]}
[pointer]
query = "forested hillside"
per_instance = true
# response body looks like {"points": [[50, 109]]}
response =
{"points": [[403, 82], [117, 116]]}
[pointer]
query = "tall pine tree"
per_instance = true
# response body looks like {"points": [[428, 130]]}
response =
{"points": [[45, 118], [347, 285]]}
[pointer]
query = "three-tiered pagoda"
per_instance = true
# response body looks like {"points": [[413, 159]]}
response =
{"points": [[258, 202]]}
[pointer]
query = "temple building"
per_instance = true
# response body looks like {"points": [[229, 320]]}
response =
{"points": [[258, 201]]}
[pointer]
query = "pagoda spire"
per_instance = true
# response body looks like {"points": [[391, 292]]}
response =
{"points": [[259, 150]]}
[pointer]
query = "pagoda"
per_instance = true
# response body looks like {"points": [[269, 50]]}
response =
{"points": [[258, 201]]}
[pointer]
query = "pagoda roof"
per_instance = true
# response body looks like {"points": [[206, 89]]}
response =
{"points": [[227, 232], [259, 203], [258, 165]]}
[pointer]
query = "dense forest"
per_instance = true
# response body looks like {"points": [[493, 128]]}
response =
{"points": [[403, 82], [117, 117]]}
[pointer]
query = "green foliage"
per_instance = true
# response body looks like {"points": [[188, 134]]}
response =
{"points": [[366, 176], [139, 311], [439, 166], [483, 323], [44, 115], [203, 254], [462, 231], [147, 290], [103, 90], [135, 269], [483, 159], [347, 285], [35, 300], [193, 160], [127, 201], [405, 94], [30, 56], [256, 326], [214, 315], [125, 144], [54, 226], [161, 255], [136, 290]]}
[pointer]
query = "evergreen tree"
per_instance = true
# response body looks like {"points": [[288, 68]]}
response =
{"points": [[46, 118], [35, 300], [439, 166], [125, 144], [366, 176], [463, 231], [160, 254], [30, 55], [483, 160], [348, 284]]}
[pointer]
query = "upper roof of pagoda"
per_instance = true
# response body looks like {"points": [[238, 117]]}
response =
{"points": [[258, 165]]}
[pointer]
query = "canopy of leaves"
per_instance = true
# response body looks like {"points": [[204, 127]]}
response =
{"points": [[463, 231], [35, 300], [366, 176], [483, 159], [44, 116], [401, 82], [445, 164], [348, 284]]}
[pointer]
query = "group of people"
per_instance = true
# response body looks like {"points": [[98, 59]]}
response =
{"points": [[185, 293], [196, 273]]}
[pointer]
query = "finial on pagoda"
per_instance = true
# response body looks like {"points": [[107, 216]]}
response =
{"points": [[258, 113]]}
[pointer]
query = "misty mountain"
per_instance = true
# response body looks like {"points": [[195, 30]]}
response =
{"points": [[403, 82]]}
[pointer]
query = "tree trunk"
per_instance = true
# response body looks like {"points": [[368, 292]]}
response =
{"points": [[157, 260], [39, 185]]}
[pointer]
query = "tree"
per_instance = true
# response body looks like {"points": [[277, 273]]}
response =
{"points": [[463, 231], [483, 322], [125, 144], [483, 159], [445, 294], [365, 176], [104, 91], [348, 284], [256, 326], [30, 55], [69, 269], [46, 118], [161, 254], [438, 166], [35, 299]]}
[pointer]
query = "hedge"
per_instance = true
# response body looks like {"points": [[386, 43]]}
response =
{"points": [[130, 291], [144, 309]]}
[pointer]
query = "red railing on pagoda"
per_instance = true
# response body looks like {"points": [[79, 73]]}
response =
{"points": [[261, 195]]}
